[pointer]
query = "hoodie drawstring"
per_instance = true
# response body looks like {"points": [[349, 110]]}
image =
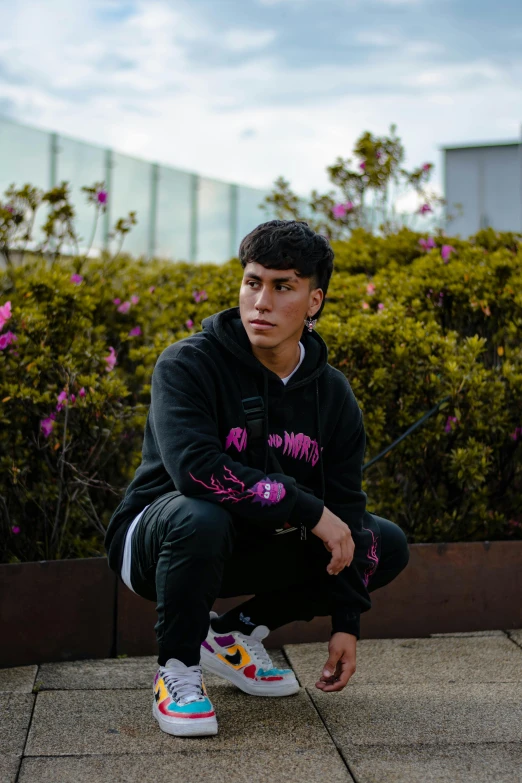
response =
{"points": [[318, 420], [265, 423], [319, 436]]}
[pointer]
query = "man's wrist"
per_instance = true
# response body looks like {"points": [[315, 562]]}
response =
{"points": [[307, 510], [346, 620]]}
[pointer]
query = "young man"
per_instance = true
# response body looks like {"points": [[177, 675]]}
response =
{"points": [[250, 484]]}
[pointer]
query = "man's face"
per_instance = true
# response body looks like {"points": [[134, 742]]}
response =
{"points": [[278, 296]]}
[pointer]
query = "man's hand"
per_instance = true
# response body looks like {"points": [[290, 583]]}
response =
{"points": [[340, 664], [337, 538]]}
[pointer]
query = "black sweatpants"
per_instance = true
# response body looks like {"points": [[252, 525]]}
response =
{"points": [[186, 552]]}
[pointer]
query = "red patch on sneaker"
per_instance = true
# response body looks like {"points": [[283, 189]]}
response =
{"points": [[270, 679], [250, 672]]}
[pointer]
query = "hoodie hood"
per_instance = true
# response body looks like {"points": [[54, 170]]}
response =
{"points": [[227, 328]]}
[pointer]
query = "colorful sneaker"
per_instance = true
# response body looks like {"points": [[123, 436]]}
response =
{"points": [[243, 661], [181, 705]]}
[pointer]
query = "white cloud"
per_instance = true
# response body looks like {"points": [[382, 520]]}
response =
{"points": [[249, 121], [246, 40], [378, 38]]}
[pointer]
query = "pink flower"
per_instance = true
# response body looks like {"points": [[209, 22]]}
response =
{"points": [[516, 434], [199, 296], [449, 422], [73, 398], [116, 301], [365, 306], [135, 299], [370, 289], [427, 244], [81, 393], [62, 400], [445, 252], [135, 332], [15, 529], [152, 289], [380, 306], [378, 154], [77, 279], [425, 208], [189, 324], [5, 314], [6, 339], [124, 308], [110, 359], [102, 196], [362, 165], [46, 425], [340, 210], [427, 166]]}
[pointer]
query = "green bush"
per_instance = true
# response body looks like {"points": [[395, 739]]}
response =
{"points": [[402, 346]]}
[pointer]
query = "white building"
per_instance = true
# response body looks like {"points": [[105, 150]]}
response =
{"points": [[486, 179]]}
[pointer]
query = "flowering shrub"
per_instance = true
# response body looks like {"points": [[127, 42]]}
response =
{"points": [[77, 351], [370, 192]]}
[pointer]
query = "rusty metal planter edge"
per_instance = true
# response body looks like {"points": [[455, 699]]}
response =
{"points": [[78, 609]]}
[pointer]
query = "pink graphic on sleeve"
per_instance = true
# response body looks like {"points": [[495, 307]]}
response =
{"points": [[266, 492], [372, 556]]}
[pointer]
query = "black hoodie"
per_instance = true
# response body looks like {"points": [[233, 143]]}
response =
{"points": [[195, 441]]}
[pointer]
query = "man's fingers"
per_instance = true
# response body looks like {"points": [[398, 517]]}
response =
{"points": [[330, 668], [335, 563], [346, 552], [343, 674], [350, 548], [341, 556]]}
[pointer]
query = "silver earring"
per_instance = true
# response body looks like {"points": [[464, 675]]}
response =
{"points": [[310, 322]]}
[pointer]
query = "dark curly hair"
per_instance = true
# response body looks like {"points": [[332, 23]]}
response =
{"points": [[290, 244]]}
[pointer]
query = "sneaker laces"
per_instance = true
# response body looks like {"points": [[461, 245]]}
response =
{"points": [[185, 685], [258, 648]]}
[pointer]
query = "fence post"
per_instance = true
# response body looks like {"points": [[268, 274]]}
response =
{"points": [[53, 159], [234, 193], [154, 181], [194, 217], [108, 188]]}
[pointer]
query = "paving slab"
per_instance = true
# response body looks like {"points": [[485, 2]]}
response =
{"points": [[96, 722], [9, 766], [15, 715], [409, 661], [467, 633], [430, 713], [489, 763], [17, 679], [309, 766], [135, 673]]}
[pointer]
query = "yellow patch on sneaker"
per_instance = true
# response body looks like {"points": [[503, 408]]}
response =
{"points": [[235, 656], [160, 686]]}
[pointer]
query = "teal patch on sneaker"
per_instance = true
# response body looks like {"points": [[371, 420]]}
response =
{"points": [[192, 707], [272, 672]]}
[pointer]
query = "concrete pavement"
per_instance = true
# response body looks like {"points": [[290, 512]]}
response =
{"points": [[443, 709]]}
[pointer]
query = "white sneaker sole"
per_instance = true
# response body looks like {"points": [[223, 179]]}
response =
{"points": [[281, 688], [185, 727]]}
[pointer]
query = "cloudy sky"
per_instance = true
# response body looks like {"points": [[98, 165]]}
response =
{"points": [[248, 90]]}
